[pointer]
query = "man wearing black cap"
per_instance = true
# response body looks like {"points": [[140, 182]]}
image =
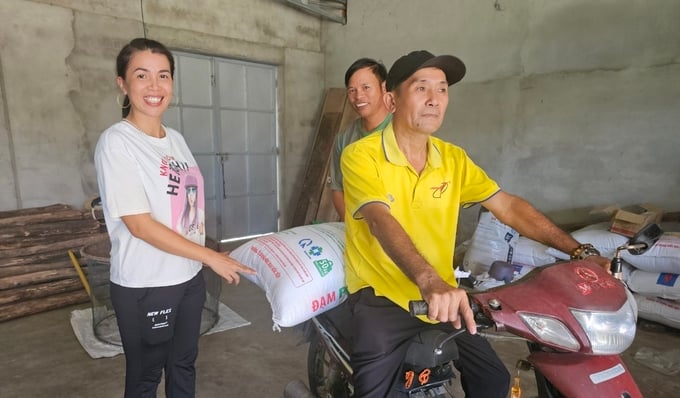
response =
{"points": [[403, 190]]}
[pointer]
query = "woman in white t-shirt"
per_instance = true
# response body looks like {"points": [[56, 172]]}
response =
{"points": [[144, 170]]}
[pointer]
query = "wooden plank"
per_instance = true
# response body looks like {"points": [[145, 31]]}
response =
{"points": [[49, 229], [26, 269], [29, 258], [332, 115], [39, 290], [35, 210], [29, 307], [326, 210], [55, 246], [61, 215], [32, 241], [14, 281], [314, 177]]}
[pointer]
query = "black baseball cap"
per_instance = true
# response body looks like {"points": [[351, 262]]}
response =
{"points": [[405, 66]]}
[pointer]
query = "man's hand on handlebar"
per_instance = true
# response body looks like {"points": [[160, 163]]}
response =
{"points": [[449, 304], [603, 262]]}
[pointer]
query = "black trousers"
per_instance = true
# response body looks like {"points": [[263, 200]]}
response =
{"points": [[380, 339], [159, 328]]}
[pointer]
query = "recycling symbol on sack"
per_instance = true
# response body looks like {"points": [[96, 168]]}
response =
{"points": [[315, 251]]}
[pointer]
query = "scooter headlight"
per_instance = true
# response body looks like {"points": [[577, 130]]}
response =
{"points": [[551, 330], [609, 332]]}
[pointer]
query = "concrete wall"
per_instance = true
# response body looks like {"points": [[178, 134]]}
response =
{"points": [[58, 92], [570, 103], [567, 103]]}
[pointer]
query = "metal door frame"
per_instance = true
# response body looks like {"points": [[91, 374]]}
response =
{"points": [[219, 183]]}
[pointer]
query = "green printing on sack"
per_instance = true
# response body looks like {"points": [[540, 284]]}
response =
{"points": [[324, 266]]}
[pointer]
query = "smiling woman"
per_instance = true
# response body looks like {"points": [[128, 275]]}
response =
{"points": [[151, 190], [145, 78]]}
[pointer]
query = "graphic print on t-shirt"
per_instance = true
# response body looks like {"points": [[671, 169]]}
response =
{"points": [[185, 187]]}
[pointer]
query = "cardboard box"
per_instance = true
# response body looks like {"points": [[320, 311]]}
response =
{"points": [[631, 219]]}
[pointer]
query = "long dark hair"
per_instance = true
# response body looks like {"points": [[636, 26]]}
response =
{"points": [[126, 53]]}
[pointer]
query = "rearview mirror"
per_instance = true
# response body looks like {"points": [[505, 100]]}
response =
{"points": [[644, 239]]}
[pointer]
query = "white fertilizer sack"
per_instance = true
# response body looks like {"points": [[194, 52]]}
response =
{"points": [[663, 256], [659, 284], [495, 241], [665, 312], [530, 253], [599, 236], [300, 269], [491, 241]]}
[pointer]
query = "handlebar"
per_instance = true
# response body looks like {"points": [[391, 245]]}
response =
{"points": [[417, 307], [420, 307]]}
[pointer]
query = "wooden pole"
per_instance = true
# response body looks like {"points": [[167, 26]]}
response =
{"points": [[63, 245], [38, 291], [29, 307], [27, 269], [35, 272], [10, 282]]}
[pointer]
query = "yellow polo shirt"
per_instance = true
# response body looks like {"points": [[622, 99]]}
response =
{"points": [[426, 206]]}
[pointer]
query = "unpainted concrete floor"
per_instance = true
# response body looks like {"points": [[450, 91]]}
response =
{"points": [[41, 357]]}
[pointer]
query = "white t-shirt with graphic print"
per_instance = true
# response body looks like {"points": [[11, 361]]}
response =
{"points": [[140, 174]]}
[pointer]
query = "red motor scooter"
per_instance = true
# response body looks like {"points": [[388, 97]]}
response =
{"points": [[575, 317]]}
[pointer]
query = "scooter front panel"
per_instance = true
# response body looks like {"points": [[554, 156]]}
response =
{"points": [[577, 375]]}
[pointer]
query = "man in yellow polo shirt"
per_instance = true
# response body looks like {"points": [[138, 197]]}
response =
{"points": [[403, 189]]}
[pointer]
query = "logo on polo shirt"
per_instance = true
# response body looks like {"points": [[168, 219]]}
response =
{"points": [[439, 190]]}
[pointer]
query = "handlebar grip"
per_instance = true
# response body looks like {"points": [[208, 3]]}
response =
{"points": [[420, 307], [417, 307]]}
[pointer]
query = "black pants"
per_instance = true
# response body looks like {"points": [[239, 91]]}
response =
{"points": [[380, 339], [159, 328]]}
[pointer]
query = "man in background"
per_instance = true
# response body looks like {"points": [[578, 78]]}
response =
{"points": [[365, 83]]}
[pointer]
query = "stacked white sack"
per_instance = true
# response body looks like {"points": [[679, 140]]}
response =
{"points": [[653, 276], [656, 280], [495, 241]]}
